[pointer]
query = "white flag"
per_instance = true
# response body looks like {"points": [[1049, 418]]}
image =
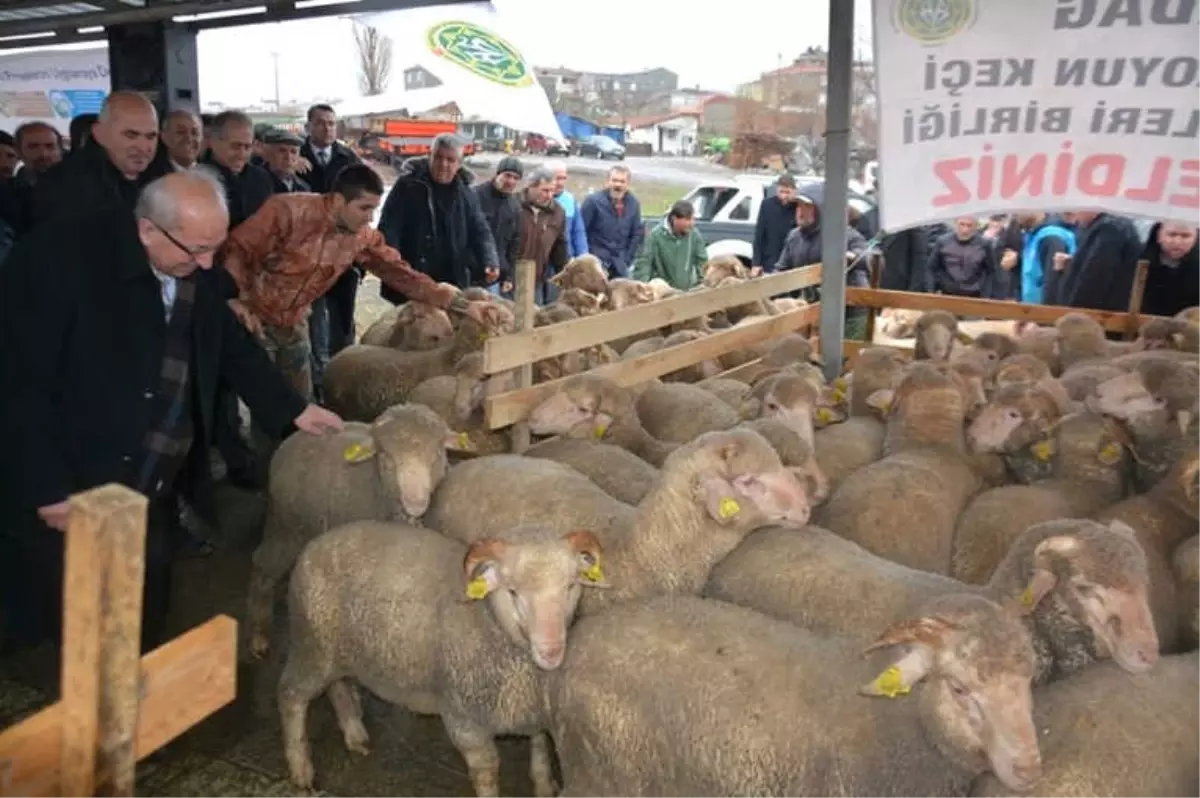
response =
{"points": [[481, 69]]}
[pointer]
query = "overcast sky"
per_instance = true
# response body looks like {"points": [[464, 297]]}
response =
{"points": [[716, 49]]}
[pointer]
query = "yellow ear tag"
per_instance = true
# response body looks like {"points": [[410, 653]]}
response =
{"points": [[357, 453], [594, 573], [1043, 450], [840, 385], [728, 508], [483, 336], [464, 440], [824, 415], [1110, 453], [890, 683], [1027, 597], [744, 410], [477, 588], [599, 430]]}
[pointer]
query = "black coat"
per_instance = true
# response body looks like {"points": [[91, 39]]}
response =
{"points": [[503, 214], [321, 177], [775, 221], [299, 185], [245, 192], [85, 182], [1170, 288], [905, 254], [409, 225], [81, 341], [1101, 274]]}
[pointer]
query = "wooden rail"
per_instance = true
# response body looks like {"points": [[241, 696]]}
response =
{"points": [[116, 707]]}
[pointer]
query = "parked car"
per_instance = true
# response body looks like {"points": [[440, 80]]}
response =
{"points": [[601, 147], [557, 147]]}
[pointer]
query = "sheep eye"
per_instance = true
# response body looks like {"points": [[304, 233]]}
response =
{"points": [[957, 687], [1013, 415], [1159, 401]]}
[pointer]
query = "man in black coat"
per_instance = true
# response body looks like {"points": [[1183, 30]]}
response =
{"points": [[281, 153], [119, 384], [1173, 281], [502, 208], [1100, 274], [433, 219], [776, 218]]}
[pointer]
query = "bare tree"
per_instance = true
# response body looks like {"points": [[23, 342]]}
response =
{"points": [[374, 59], [864, 95]]}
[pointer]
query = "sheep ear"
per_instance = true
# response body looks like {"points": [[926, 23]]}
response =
{"points": [[897, 680], [963, 338], [1184, 419], [720, 499], [928, 631], [1040, 585], [459, 442], [881, 401], [588, 550], [359, 451], [1189, 482], [481, 567]]}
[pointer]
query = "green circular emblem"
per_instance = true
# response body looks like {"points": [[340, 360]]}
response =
{"points": [[479, 51], [934, 21]]}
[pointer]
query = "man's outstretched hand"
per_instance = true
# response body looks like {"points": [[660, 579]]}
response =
{"points": [[316, 420], [479, 312]]}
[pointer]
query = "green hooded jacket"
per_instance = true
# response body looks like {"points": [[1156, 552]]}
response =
{"points": [[676, 259]]}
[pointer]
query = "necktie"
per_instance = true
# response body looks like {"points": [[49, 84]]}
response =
{"points": [[323, 157]]}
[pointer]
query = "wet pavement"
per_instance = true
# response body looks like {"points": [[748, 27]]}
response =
{"points": [[238, 750]]}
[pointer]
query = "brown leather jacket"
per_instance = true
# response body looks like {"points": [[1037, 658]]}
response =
{"points": [[290, 252], [543, 236]]}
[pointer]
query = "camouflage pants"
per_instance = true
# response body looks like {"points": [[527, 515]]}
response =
{"points": [[291, 351]]}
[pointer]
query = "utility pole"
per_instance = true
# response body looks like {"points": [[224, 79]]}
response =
{"points": [[275, 58]]}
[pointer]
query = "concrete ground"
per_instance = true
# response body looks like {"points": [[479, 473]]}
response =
{"points": [[238, 750]]}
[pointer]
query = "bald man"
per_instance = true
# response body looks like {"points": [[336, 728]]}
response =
{"points": [[111, 173], [119, 384]]}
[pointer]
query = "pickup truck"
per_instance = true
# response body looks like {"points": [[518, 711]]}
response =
{"points": [[727, 210]]}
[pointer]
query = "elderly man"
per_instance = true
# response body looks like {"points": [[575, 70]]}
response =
{"points": [[119, 385], [298, 245], [433, 218], [577, 243], [502, 209], [39, 146], [111, 173], [613, 220], [281, 154], [543, 233], [181, 134], [246, 186]]}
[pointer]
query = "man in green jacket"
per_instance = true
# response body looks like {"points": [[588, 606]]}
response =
{"points": [[673, 251]]}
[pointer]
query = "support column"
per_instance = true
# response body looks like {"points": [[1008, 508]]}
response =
{"points": [[157, 59]]}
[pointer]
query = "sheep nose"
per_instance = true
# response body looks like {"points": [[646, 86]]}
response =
{"points": [[1028, 770]]}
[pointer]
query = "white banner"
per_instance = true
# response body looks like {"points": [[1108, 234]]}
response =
{"points": [[468, 49], [52, 86], [1037, 104]]}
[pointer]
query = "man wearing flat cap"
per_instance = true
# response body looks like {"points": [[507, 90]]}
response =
{"points": [[281, 152]]}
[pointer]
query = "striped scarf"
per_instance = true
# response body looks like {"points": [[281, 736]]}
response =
{"points": [[169, 438]]}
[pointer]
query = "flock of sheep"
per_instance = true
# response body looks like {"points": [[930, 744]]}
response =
{"points": [[969, 571]]}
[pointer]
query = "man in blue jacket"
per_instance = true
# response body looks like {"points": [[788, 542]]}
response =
{"points": [[1045, 237], [613, 221], [577, 243]]}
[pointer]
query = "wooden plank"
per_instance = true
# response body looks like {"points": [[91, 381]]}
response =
{"points": [[1113, 321], [181, 683], [876, 271], [508, 408], [1135, 299], [526, 285], [509, 351]]}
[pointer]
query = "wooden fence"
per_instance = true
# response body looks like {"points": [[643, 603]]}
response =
{"points": [[116, 707]]}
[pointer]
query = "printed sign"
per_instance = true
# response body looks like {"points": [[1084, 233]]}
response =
{"points": [[52, 86], [481, 52], [1050, 105]]}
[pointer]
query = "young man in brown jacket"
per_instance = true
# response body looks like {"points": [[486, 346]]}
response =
{"points": [[543, 233], [297, 246]]}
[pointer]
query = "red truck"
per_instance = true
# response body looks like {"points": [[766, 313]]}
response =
{"points": [[395, 140]]}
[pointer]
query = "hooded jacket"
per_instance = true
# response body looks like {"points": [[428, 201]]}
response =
{"points": [[577, 243], [674, 258], [440, 230], [803, 245], [1101, 274], [1170, 286]]}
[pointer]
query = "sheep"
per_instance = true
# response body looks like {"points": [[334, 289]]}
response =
{"points": [[738, 313], [787, 398], [1021, 367], [692, 373], [385, 470], [936, 332], [584, 272], [1085, 463], [554, 314], [413, 326], [898, 322], [730, 391], [662, 289], [625, 293], [677, 412], [786, 304], [722, 266], [1107, 732], [458, 399], [1163, 519], [829, 585], [904, 506], [382, 605], [1186, 564], [618, 472], [1176, 334], [687, 696], [1039, 342], [709, 495], [363, 381], [1190, 315], [787, 351], [582, 302]]}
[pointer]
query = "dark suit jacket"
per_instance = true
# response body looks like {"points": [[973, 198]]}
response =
{"points": [[321, 177], [81, 343], [86, 181]]}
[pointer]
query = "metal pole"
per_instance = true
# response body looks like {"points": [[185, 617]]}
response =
{"points": [[837, 177], [275, 56]]}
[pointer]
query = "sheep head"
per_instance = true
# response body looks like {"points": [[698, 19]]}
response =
{"points": [[1080, 337], [929, 406], [1153, 386], [722, 266], [788, 398], [936, 332], [584, 399], [585, 273], [624, 293], [421, 327], [554, 314], [497, 320], [975, 663], [1019, 414], [877, 369], [532, 583], [583, 302], [472, 386], [409, 443], [791, 349], [1099, 577], [738, 478], [1021, 368], [1175, 334]]}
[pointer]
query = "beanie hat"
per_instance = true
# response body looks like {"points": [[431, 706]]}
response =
{"points": [[512, 164]]}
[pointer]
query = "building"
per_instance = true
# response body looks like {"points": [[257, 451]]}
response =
{"points": [[609, 93], [675, 133], [559, 82], [803, 85], [418, 77]]}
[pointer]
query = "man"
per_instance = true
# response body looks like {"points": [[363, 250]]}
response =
{"points": [[246, 186], [206, 127], [79, 132], [39, 147], [182, 134], [258, 155], [502, 209], [543, 233], [119, 384], [8, 155], [1008, 242], [1101, 272], [776, 218], [1173, 282], [962, 263], [613, 221], [298, 245], [433, 217], [332, 320], [674, 250], [1044, 239], [110, 169], [577, 243], [281, 154]]}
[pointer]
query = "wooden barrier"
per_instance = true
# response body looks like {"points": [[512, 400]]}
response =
{"points": [[116, 708]]}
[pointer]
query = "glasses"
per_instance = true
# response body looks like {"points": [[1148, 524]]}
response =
{"points": [[194, 253]]}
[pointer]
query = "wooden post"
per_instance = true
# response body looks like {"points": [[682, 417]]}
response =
{"points": [[875, 266], [1135, 299], [526, 284]]}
